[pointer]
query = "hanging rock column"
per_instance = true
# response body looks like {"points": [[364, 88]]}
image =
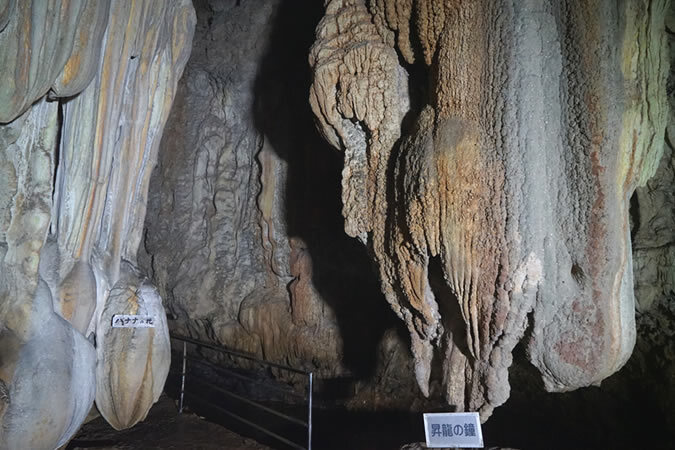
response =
{"points": [[504, 206]]}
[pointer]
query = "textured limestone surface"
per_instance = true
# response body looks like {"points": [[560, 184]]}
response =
{"points": [[205, 226], [46, 365], [489, 174], [504, 205], [653, 235], [85, 89], [244, 235], [490, 155]]}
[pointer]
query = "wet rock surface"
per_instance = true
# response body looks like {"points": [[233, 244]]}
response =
{"points": [[457, 187], [498, 220]]}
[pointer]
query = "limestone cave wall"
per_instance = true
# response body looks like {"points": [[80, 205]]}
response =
{"points": [[501, 213]]}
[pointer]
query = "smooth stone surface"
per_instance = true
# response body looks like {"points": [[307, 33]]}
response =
{"points": [[52, 391], [133, 363]]}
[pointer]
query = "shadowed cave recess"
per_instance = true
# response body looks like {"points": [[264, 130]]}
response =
{"points": [[433, 205]]}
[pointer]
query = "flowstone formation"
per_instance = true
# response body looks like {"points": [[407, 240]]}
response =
{"points": [[85, 90], [496, 206]]}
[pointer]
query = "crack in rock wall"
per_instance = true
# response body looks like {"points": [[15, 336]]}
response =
{"points": [[85, 89], [505, 206]]}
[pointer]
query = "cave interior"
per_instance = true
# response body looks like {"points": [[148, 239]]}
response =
{"points": [[430, 206]]}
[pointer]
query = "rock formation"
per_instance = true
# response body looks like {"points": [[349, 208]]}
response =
{"points": [[132, 362], [85, 90], [244, 238], [488, 172], [495, 166], [505, 206], [653, 238]]}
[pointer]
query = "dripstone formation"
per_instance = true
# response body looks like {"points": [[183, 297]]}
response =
{"points": [[244, 236], [505, 205], [85, 90]]}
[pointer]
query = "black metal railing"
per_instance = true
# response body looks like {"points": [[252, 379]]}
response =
{"points": [[306, 423]]}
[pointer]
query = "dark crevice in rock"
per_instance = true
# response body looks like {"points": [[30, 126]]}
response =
{"points": [[342, 272], [57, 148], [578, 273], [634, 216]]}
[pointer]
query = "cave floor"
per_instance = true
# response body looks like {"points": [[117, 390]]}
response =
{"points": [[164, 428]]}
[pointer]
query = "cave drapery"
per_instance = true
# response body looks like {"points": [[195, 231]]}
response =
{"points": [[85, 90]]}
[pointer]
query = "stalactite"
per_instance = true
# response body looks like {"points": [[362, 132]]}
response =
{"points": [[509, 197]]}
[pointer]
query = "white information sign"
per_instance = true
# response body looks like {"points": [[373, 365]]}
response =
{"points": [[132, 321], [444, 430]]}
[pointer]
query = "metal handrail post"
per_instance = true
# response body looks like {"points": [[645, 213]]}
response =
{"points": [[309, 414], [182, 379]]}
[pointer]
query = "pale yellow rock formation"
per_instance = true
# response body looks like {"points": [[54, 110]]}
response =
{"points": [[359, 97], [67, 224]]}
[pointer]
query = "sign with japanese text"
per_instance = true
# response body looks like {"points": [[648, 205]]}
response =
{"points": [[132, 321], [444, 430]]}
